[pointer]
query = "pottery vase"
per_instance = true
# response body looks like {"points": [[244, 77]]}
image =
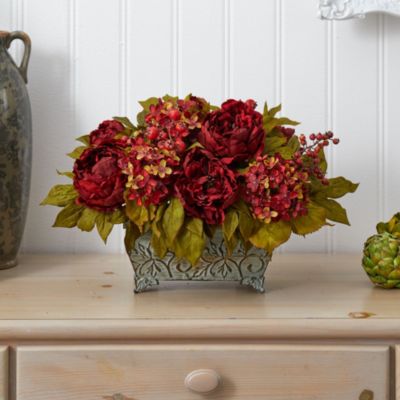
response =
{"points": [[15, 147]]}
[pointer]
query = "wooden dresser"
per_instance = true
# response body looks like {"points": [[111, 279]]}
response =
{"points": [[72, 329]]}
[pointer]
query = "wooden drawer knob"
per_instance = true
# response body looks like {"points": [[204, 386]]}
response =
{"points": [[202, 380]]}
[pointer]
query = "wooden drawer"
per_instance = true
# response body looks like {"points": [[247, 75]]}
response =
{"points": [[150, 372], [3, 373]]}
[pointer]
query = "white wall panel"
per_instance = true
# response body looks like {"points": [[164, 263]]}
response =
{"points": [[95, 83], [202, 58], [5, 15], [391, 137], [49, 86], [149, 50], [304, 81], [358, 125], [93, 59], [252, 48]]}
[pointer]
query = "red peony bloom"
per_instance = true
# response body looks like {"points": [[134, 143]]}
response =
{"points": [[206, 187], [276, 188], [287, 132], [235, 132], [106, 134], [99, 179], [150, 171], [175, 123]]}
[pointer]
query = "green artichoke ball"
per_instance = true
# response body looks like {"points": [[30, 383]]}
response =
{"points": [[381, 259]]}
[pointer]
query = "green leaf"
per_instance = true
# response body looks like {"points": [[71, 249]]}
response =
{"points": [[210, 230], [246, 220], [381, 227], [285, 121], [247, 245], [270, 121], [242, 207], [231, 243], [270, 236], [340, 186], [137, 214], [323, 165], [77, 152], [195, 225], [67, 174], [148, 102], [314, 220], [191, 241], [104, 226], [173, 220], [159, 245], [125, 122], [60, 195], [229, 227], [168, 97], [117, 217], [246, 225], [195, 144], [87, 219], [69, 216], [85, 139], [392, 226], [230, 224], [266, 110], [156, 225], [291, 147], [132, 232], [273, 143], [146, 107], [274, 110], [334, 211]]}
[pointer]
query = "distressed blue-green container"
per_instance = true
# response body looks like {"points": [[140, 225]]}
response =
{"points": [[245, 267]]}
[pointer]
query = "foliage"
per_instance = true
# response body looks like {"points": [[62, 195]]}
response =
{"points": [[188, 168]]}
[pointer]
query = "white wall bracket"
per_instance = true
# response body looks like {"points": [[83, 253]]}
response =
{"points": [[347, 9]]}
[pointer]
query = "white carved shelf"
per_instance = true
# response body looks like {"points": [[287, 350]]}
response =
{"points": [[347, 9]]}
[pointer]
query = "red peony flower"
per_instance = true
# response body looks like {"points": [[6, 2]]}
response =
{"points": [[287, 132], [106, 134], [99, 179], [175, 123], [150, 171], [206, 187], [235, 132], [276, 188]]}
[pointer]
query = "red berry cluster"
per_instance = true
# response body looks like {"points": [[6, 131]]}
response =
{"points": [[150, 172], [173, 124], [276, 189], [308, 154]]}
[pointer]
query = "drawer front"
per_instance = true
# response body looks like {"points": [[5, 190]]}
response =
{"points": [[3, 373], [247, 372]]}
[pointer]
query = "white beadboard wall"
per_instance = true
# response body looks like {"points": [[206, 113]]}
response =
{"points": [[93, 59]]}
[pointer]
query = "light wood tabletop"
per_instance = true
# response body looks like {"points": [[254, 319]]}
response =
{"points": [[311, 294], [71, 326]]}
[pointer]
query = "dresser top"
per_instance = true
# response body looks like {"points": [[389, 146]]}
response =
{"points": [[92, 295]]}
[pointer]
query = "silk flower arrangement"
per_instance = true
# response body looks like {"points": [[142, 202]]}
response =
{"points": [[187, 170]]}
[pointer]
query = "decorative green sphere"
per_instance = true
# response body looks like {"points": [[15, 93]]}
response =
{"points": [[381, 259]]}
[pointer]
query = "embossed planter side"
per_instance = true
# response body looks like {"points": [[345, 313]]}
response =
{"points": [[15, 148], [215, 265]]}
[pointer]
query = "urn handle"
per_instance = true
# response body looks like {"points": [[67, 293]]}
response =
{"points": [[202, 381], [23, 68]]}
